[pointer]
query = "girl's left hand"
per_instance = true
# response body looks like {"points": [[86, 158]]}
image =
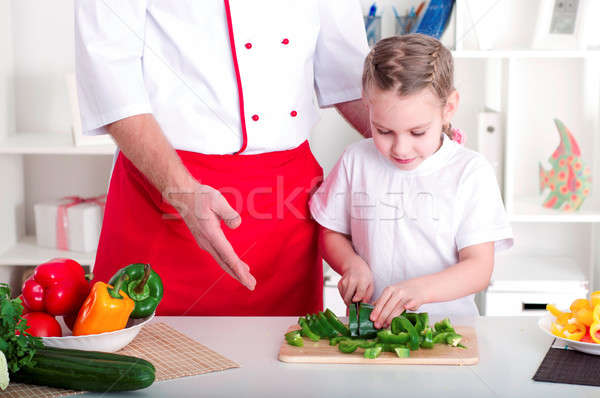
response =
{"points": [[406, 295]]}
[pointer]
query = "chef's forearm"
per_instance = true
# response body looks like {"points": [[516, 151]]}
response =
{"points": [[142, 141], [356, 114], [336, 250]]}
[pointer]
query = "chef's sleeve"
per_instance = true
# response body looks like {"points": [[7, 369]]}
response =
{"points": [[330, 204], [340, 52], [109, 45], [481, 215]]}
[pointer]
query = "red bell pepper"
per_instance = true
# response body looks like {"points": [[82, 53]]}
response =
{"points": [[57, 287]]}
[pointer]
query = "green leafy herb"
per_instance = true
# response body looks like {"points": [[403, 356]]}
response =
{"points": [[18, 348]]}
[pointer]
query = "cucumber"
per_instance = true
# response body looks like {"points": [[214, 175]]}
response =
{"points": [[100, 355], [92, 372]]}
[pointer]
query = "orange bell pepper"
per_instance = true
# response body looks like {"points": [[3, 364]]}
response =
{"points": [[106, 309]]}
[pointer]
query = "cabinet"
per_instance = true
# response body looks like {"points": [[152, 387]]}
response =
{"points": [[37, 156]]}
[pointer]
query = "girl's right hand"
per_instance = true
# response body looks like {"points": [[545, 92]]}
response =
{"points": [[356, 284]]}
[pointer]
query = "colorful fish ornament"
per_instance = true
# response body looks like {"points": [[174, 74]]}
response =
{"points": [[570, 179]]}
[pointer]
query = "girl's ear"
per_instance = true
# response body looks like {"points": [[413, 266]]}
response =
{"points": [[450, 107]]}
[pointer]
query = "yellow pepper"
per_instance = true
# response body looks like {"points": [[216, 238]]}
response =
{"points": [[557, 330], [584, 316], [596, 314], [593, 330], [574, 331], [106, 309], [562, 318], [595, 298], [578, 304]]}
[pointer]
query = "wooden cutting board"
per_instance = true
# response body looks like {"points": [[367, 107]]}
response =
{"points": [[440, 354]]}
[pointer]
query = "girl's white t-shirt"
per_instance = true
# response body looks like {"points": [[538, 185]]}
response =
{"points": [[406, 224]]}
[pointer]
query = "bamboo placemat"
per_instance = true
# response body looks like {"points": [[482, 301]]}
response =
{"points": [[172, 353]]}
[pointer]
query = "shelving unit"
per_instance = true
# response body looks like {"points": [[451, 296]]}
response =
{"points": [[49, 144], [38, 158]]}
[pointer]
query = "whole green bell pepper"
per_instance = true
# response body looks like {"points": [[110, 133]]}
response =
{"points": [[144, 287]]}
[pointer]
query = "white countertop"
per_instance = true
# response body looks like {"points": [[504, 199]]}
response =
{"points": [[510, 349]]}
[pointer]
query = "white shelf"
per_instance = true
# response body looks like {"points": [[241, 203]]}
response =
{"points": [[52, 144], [525, 53], [531, 210], [27, 252]]}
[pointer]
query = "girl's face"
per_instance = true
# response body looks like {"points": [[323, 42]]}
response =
{"points": [[408, 129]]}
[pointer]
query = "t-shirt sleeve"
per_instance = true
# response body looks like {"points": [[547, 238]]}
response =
{"points": [[109, 45], [482, 217], [340, 52], [330, 204]]}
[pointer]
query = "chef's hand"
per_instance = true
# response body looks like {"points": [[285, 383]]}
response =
{"points": [[202, 209], [406, 295], [356, 284]]}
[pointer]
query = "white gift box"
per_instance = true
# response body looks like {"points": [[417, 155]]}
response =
{"points": [[82, 226]]}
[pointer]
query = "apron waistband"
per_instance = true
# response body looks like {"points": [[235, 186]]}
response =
{"points": [[271, 160]]}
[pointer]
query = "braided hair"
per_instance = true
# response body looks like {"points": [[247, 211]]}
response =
{"points": [[408, 64]]}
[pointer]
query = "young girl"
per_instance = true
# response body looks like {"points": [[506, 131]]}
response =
{"points": [[411, 218]]}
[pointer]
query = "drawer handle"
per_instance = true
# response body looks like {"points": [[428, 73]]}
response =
{"points": [[533, 307]]}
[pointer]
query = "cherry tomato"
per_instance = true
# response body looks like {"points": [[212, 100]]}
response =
{"points": [[42, 325]]}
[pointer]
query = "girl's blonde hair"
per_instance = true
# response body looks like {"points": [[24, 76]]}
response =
{"points": [[409, 63]]}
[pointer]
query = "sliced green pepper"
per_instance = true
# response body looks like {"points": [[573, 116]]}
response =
{"points": [[440, 338], [424, 318], [453, 339], [413, 335], [144, 287], [390, 347], [353, 320], [336, 323], [397, 326], [294, 338], [366, 328], [314, 326], [402, 352], [331, 332], [365, 343], [336, 340], [373, 352], [386, 336], [347, 346], [428, 339], [306, 331], [443, 326]]}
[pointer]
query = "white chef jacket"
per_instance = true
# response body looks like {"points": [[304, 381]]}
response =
{"points": [[173, 59], [406, 224]]}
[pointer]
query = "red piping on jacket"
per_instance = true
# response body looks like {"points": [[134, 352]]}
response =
{"points": [[237, 76]]}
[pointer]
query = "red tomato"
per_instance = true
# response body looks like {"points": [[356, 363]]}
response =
{"points": [[42, 325]]}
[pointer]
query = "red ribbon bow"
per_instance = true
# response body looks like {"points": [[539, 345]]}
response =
{"points": [[62, 221]]}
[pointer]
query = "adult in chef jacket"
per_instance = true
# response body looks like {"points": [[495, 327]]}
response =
{"points": [[211, 104]]}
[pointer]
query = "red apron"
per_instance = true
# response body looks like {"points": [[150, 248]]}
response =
{"points": [[277, 237]]}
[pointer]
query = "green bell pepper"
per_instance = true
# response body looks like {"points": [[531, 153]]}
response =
{"points": [[372, 352], [413, 335], [294, 338], [144, 287], [306, 331], [428, 338], [336, 323], [385, 336]]}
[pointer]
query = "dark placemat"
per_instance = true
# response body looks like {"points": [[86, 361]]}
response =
{"points": [[570, 367]]}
